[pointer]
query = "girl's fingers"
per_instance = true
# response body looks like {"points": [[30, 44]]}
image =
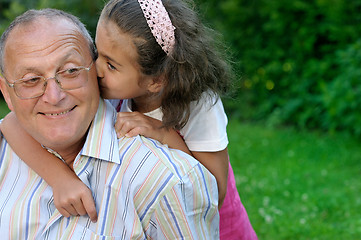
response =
{"points": [[64, 212], [134, 132], [79, 208], [89, 206], [68, 211]]}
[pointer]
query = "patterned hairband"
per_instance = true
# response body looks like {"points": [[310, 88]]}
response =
{"points": [[159, 23]]}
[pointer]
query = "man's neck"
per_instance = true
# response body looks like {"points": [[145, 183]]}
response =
{"points": [[67, 155]]}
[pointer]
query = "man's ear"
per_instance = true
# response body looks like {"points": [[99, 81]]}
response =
{"points": [[156, 85], [5, 91]]}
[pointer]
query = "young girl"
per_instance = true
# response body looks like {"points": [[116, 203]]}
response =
{"points": [[159, 58]]}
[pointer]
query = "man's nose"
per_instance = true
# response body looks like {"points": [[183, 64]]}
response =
{"points": [[53, 92]]}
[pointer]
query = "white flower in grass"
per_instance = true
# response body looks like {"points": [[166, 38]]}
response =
{"points": [[267, 218], [266, 201], [304, 197], [286, 193]]}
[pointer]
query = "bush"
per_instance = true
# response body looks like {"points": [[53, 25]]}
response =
{"points": [[87, 11], [287, 55], [342, 97]]}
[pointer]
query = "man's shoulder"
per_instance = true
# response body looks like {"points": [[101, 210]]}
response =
{"points": [[139, 149], [166, 183], [153, 170]]}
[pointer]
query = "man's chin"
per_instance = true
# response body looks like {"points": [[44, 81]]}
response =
{"points": [[58, 140]]}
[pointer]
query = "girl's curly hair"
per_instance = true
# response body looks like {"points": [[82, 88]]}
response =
{"points": [[195, 66]]}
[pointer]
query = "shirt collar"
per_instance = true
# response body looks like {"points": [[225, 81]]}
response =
{"points": [[101, 141]]}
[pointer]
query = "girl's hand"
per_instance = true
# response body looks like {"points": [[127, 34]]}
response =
{"points": [[130, 124], [73, 197]]}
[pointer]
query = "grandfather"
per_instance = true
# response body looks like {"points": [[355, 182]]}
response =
{"points": [[142, 189]]}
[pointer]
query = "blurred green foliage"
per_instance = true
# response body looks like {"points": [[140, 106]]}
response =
{"points": [[342, 97], [298, 61], [87, 11]]}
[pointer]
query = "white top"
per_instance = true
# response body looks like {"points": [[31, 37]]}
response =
{"points": [[206, 129]]}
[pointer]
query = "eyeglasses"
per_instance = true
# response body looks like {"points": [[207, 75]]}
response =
{"points": [[33, 87]]}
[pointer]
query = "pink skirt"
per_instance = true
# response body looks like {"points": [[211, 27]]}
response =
{"points": [[234, 223]]}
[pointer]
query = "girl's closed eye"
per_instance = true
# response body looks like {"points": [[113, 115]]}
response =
{"points": [[110, 66]]}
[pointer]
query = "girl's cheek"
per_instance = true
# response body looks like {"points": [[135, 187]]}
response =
{"points": [[100, 66]]}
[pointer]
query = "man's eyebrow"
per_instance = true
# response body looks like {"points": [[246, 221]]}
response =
{"points": [[37, 70], [66, 57], [69, 55], [28, 70], [31, 69]]}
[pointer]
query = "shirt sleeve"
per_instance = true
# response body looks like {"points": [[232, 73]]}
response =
{"points": [[189, 210], [206, 129]]}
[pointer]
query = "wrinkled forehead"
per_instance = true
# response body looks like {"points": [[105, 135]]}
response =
{"points": [[42, 30]]}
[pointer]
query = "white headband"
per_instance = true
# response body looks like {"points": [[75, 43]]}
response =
{"points": [[159, 23]]}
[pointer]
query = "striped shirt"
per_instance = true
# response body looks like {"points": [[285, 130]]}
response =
{"points": [[142, 190]]}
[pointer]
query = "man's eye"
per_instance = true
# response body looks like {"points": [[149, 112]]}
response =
{"points": [[70, 73], [30, 82]]}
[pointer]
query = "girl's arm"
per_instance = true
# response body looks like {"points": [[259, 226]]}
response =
{"points": [[71, 195], [217, 164], [133, 123]]}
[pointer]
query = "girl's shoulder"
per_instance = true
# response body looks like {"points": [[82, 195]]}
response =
{"points": [[208, 103], [206, 129]]}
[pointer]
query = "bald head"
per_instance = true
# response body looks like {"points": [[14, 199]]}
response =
{"points": [[29, 18]]}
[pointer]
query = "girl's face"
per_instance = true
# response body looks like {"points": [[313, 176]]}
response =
{"points": [[118, 70]]}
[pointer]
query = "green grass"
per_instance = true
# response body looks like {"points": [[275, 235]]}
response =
{"points": [[297, 185]]}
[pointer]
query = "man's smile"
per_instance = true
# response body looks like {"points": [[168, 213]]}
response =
{"points": [[58, 113]]}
